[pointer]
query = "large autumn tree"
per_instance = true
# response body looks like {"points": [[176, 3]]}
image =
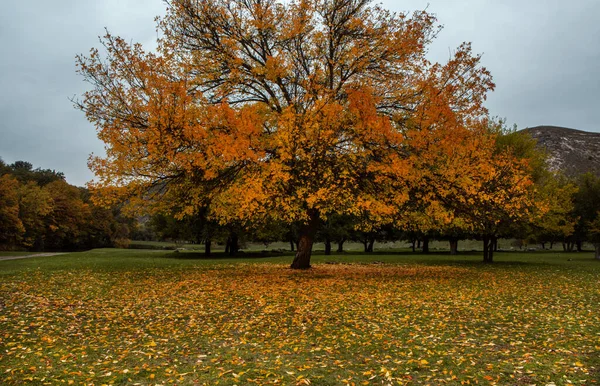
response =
{"points": [[292, 111]]}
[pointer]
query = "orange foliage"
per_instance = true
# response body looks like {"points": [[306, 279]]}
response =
{"points": [[11, 226], [284, 110]]}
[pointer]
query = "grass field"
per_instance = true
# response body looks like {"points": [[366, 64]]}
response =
{"points": [[160, 317]]}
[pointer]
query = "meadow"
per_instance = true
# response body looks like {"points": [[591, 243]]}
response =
{"points": [[112, 316]]}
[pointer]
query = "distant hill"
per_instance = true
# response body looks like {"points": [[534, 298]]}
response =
{"points": [[571, 151]]}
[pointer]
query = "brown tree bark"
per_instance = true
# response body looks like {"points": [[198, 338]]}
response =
{"points": [[207, 245], [488, 249], [292, 245], [597, 255], [454, 247], [232, 247], [425, 244], [340, 248], [305, 243], [485, 248], [327, 246], [371, 244]]}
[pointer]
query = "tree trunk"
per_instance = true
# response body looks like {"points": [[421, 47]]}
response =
{"points": [[207, 243], [425, 244], [371, 244], [551, 244], [305, 243], [292, 245], [233, 244], [366, 245], [485, 249], [327, 246], [340, 248], [414, 248], [39, 243], [495, 244], [579, 248], [543, 246], [418, 244], [454, 247], [597, 255], [488, 249]]}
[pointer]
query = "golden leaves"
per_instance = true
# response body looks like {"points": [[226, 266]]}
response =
{"points": [[204, 323], [12, 227]]}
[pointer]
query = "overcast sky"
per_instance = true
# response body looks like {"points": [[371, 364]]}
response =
{"points": [[544, 56]]}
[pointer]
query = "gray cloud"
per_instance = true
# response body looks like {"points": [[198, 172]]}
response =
{"points": [[544, 56], [37, 76]]}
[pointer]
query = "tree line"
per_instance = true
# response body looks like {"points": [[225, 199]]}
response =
{"points": [[40, 211]]}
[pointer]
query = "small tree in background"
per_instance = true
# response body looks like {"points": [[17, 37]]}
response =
{"points": [[586, 205], [559, 222], [35, 205], [485, 192], [11, 226], [594, 234]]}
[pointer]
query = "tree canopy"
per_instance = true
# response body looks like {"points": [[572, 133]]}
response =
{"points": [[264, 110]]}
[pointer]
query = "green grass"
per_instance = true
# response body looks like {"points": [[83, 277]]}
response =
{"points": [[158, 317]]}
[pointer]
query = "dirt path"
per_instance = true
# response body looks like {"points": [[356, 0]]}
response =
{"points": [[28, 256]]}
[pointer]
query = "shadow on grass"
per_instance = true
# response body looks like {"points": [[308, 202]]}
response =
{"points": [[402, 252], [424, 260], [226, 256], [465, 259], [480, 263], [434, 258]]}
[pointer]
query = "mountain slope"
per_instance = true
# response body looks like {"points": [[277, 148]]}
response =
{"points": [[571, 151]]}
